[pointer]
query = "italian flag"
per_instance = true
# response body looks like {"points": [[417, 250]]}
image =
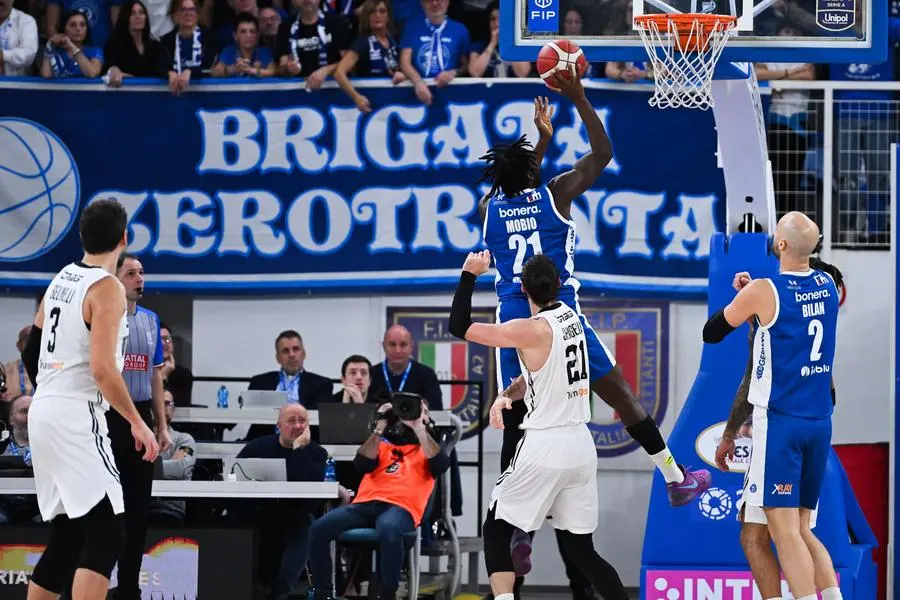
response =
{"points": [[625, 346], [450, 361]]}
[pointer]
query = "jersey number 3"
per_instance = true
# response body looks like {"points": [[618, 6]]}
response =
{"points": [[51, 343], [520, 244], [575, 355]]}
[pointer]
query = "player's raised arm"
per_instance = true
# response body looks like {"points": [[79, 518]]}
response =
{"points": [[571, 184], [518, 333], [105, 306]]}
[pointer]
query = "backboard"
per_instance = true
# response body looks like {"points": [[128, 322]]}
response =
{"points": [[790, 31]]}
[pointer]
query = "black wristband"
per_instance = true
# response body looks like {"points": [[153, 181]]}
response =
{"points": [[716, 328], [461, 311]]}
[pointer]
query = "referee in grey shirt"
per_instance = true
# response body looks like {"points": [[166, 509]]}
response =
{"points": [[143, 375]]}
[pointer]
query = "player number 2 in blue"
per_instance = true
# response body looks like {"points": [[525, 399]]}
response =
{"points": [[520, 244], [816, 329]]}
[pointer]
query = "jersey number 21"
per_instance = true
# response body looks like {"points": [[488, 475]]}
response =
{"points": [[520, 244]]}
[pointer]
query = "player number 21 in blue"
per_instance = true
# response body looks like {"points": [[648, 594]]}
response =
{"points": [[520, 244]]}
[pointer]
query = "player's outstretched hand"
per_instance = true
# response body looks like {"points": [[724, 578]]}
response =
{"points": [[725, 452], [570, 86], [741, 280], [478, 263], [543, 114], [145, 440], [496, 415]]}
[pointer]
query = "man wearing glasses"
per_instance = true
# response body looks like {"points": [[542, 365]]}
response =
{"points": [[176, 378]]}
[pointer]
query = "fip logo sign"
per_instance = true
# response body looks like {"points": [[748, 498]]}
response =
{"points": [[543, 16]]}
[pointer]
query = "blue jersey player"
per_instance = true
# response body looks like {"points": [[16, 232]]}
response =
{"points": [[523, 218], [790, 390]]}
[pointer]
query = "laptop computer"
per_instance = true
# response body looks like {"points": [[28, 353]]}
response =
{"points": [[262, 399], [14, 466], [341, 423], [256, 469]]}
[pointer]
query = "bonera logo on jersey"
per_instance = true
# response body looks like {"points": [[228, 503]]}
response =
{"points": [[519, 211], [451, 359], [808, 370], [39, 190], [637, 334]]}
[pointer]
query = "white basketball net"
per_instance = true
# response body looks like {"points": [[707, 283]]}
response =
{"points": [[684, 78]]}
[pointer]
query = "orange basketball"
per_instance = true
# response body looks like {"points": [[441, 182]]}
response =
{"points": [[554, 60]]}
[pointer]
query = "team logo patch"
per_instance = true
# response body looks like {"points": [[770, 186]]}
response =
{"points": [[637, 334], [135, 362], [393, 468], [782, 489], [452, 359]]}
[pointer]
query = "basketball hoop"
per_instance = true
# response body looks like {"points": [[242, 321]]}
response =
{"points": [[684, 50]]}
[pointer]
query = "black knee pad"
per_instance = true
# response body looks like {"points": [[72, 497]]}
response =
{"points": [[104, 539], [497, 535], [56, 565]]}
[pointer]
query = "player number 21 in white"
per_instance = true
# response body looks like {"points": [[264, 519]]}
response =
{"points": [[520, 244], [815, 329]]}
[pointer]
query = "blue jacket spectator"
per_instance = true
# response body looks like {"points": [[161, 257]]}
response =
{"points": [[245, 58], [435, 47], [70, 54], [100, 15]]}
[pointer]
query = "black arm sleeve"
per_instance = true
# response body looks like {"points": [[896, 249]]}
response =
{"points": [[439, 463], [364, 464], [31, 353], [461, 311], [716, 328]]}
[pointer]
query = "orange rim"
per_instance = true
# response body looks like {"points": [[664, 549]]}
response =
{"points": [[683, 22]]}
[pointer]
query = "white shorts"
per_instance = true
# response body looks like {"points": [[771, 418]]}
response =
{"points": [[553, 474], [757, 514], [72, 457]]}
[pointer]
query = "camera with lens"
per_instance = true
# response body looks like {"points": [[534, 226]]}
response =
{"points": [[407, 407], [404, 407]]}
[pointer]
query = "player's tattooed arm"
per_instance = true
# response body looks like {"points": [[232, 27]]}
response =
{"points": [[741, 409]]}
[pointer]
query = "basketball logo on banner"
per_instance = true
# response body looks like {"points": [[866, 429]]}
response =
{"points": [[452, 360], [638, 336], [39, 189]]}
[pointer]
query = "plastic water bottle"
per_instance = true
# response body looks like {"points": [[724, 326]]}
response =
{"points": [[222, 396], [329, 470]]}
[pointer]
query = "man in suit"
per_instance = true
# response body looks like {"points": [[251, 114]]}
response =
{"points": [[301, 386]]}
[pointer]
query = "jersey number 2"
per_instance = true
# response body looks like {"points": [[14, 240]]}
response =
{"points": [[51, 343], [575, 354], [816, 329], [520, 244]]}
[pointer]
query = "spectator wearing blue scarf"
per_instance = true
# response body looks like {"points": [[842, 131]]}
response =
{"points": [[373, 54], [435, 47], [70, 54], [191, 47]]}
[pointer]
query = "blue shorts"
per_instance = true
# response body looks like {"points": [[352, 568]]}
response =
{"points": [[787, 461], [600, 359]]}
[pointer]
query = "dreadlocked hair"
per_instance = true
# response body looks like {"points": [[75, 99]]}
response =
{"points": [[510, 167], [820, 265]]}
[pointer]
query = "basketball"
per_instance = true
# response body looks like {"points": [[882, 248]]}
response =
{"points": [[554, 60]]}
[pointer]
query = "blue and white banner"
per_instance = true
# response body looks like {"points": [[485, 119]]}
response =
{"points": [[265, 187]]}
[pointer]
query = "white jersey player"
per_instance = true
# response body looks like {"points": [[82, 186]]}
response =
{"points": [[554, 470], [75, 354]]}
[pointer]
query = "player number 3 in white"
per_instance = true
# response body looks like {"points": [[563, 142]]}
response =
{"points": [[520, 244], [816, 329]]}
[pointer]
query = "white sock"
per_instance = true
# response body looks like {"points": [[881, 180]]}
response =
{"points": [[509, 596], [666, 464], [811, 597], [775, 598], [832, 593]]}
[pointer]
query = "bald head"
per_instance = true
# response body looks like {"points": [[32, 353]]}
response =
{"points": [[796, 236], [293, 420], [397, 347]]}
